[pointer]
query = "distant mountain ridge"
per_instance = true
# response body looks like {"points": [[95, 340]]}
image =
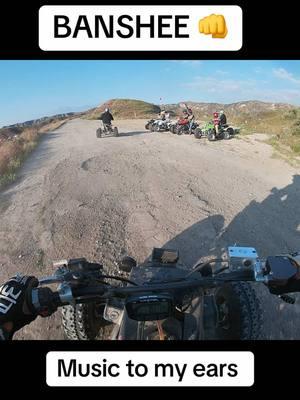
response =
{"points": [[15, 129], [239, 112], [202, 109], [131, 109], [41, 120]]}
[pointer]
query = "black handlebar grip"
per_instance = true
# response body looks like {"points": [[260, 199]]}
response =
{"points": [[44, 301]]}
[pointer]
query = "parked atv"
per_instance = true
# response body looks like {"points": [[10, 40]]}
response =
{"points": [[149, 124], [107, 130], [186, 127], [172, 127], [225, 132], [159, 125], [208, 130]]}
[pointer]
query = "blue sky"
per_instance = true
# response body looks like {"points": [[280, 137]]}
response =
{"points": [[32, 89]]}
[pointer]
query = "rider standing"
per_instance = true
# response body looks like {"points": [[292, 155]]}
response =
{"points": [[216, 121], [190, 117], [219, 120], [161, 118], [162, 115], [222, 118]]}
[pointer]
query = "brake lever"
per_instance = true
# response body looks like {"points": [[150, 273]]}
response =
{"points": [[67, 272], [69, 277], [48, 280]]}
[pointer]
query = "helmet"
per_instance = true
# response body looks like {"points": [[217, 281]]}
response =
{"points": [[107, 110], [221, 111]]}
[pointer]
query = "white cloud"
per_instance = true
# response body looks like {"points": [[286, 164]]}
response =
{"points": [[191, 63], [258, 70], [222, 72], [229, 90], [211, 84], [282, 73]]}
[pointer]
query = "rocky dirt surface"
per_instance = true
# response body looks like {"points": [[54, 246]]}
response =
{"points": [[101, 198]]}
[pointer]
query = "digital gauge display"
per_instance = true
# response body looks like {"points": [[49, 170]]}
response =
{"points": [[149, 308]]}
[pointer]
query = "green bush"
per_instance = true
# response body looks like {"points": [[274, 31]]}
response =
{"points": [[295, 147], [291, 114], [296, 132]]}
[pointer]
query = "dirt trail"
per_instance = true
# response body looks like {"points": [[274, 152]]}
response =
{"points": [[100, 198]]}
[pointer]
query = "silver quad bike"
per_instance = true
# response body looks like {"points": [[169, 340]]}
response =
{"points": [[107, 130]]}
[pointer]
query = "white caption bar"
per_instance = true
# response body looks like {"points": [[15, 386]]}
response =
{"points": [[120, 28], [143, 368]]}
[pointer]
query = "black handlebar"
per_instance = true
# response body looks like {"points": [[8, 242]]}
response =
{"points": [[81, 281], [45, 301]]}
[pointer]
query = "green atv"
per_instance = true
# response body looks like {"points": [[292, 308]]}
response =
{"points": [[207, 129], [225, 132]]}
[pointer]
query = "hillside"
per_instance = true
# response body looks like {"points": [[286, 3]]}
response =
{"points": [[10, 131], [125, 109], [233, 109], [250, 115]]}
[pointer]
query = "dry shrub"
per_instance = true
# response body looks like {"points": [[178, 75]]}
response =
{"points": [[30, 135], [8, 152], [13, 152]]}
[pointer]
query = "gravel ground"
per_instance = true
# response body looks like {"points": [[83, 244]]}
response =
{"points": [[101, 198]]}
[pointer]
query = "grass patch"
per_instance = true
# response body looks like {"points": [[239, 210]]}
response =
{"points": [[14, 152], [283, 126], [296, 148]]}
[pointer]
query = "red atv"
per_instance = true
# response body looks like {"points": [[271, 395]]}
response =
{"points": [[185, 126]]}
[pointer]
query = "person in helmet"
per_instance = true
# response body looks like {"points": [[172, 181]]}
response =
{"points": [[106, 117], [191, 118], [184, 118], [216, 121], [185, 114], [162, 115], [222, 118], [164, 118]]}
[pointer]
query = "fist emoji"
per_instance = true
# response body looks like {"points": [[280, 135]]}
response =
{"points": [[214, 25]]}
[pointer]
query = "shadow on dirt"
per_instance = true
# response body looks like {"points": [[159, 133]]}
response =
{"points": [[124, 134], [133, 133], [272, 227]]}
